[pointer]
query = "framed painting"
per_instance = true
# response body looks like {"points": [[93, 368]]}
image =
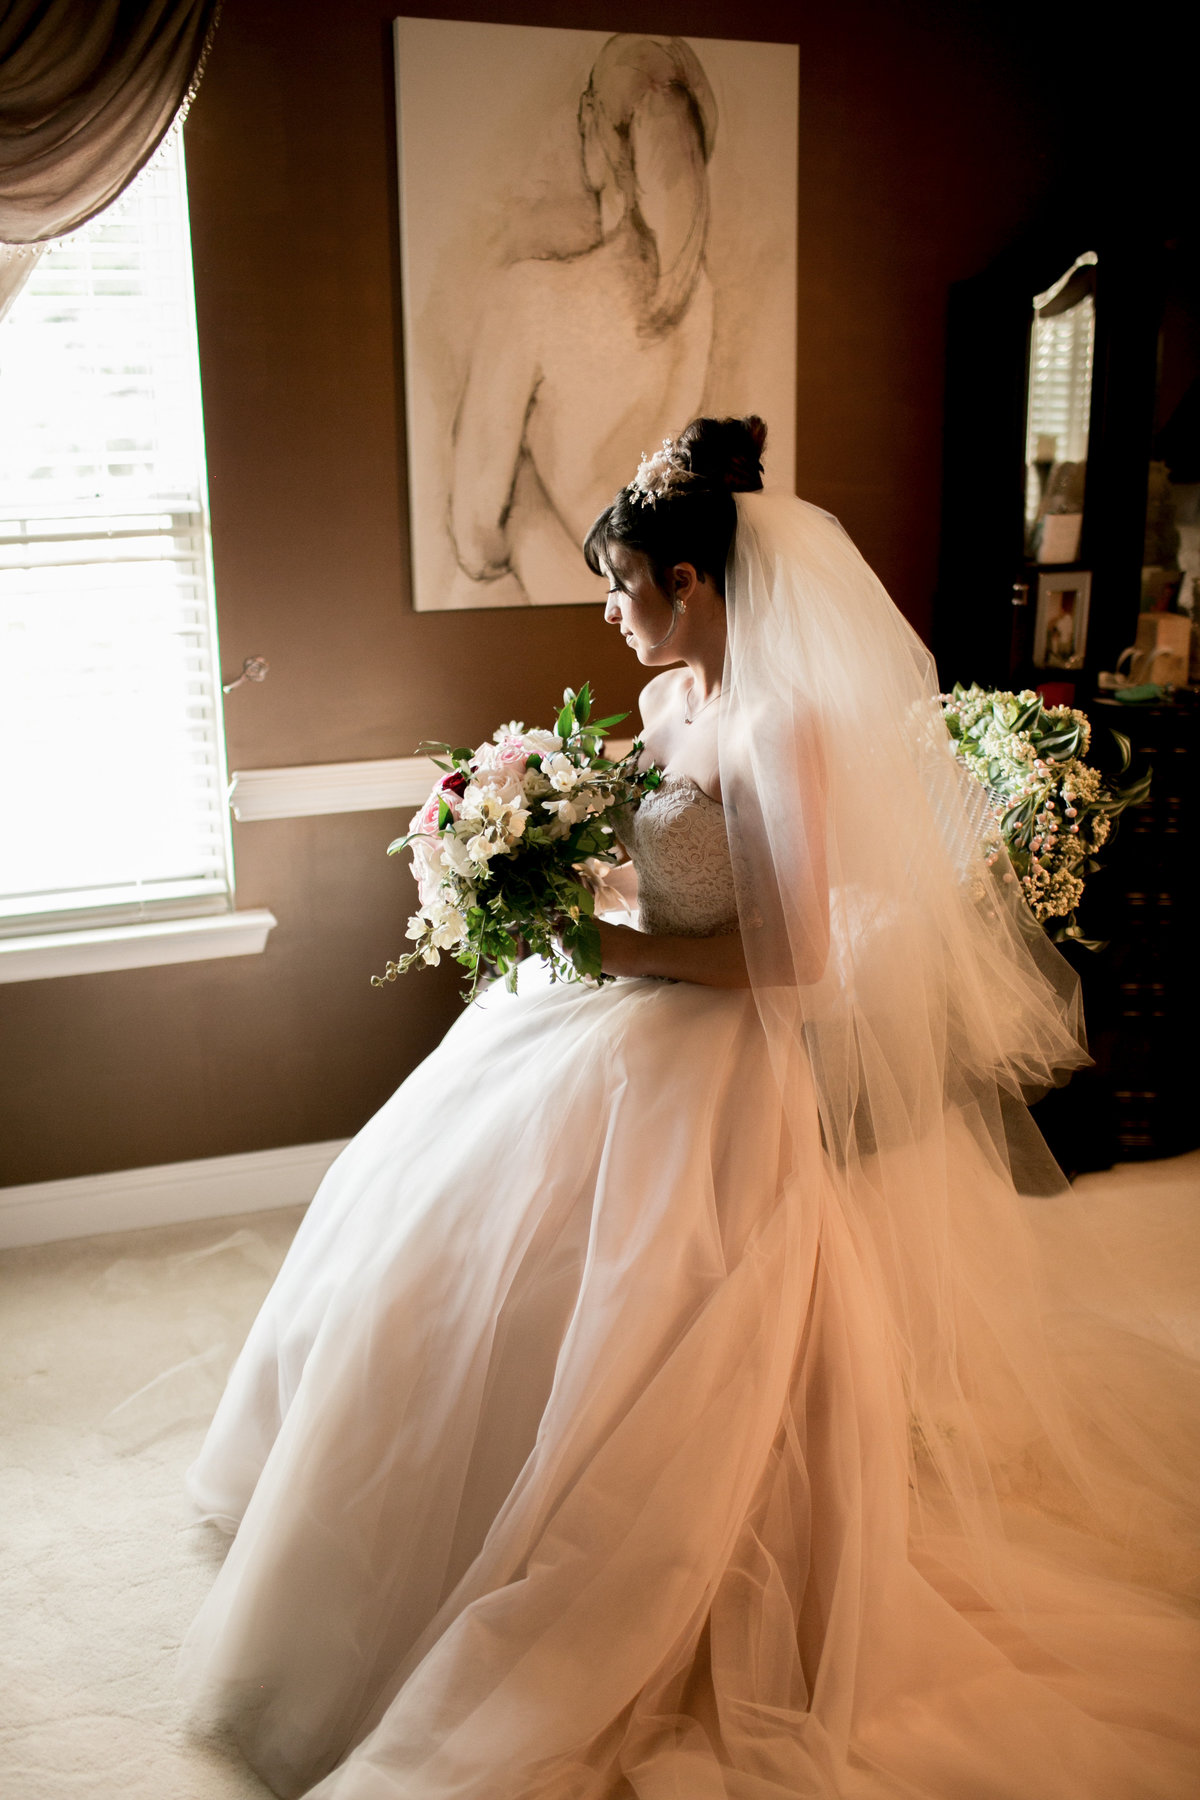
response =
{"points": [[1060, 627], [598, 243]]}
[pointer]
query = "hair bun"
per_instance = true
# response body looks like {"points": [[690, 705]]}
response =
{"points": [[726, 452]]}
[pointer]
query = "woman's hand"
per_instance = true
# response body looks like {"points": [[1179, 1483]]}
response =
{"points": [[614, 885]]}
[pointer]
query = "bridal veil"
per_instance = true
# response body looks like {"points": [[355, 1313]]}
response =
{"points": [[1037, 1420]]}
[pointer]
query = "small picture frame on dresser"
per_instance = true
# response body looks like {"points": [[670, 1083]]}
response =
{"points": [[1060, 626]]}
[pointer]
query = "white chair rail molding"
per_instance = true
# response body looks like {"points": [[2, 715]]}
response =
{"points": [[97, 950], [307, 789]]}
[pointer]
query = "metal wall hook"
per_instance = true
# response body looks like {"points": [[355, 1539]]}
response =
{"points": [[253, 669]]}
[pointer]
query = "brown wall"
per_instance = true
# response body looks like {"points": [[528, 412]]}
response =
{"points": [[921, 158]]}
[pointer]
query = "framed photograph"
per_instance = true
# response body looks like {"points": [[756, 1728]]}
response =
{"points": [[598, 243], [1060, 627]]}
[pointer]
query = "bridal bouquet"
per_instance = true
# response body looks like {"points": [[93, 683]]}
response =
{"points": [[1053, 811], [498, 846]]}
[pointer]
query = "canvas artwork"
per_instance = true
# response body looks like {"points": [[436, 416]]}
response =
{"points": [[598, 239]]}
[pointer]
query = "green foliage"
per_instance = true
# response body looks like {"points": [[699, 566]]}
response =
{"points": [[1053, 810], [530, 898]]}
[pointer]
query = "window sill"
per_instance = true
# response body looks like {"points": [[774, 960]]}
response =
{"points": [[57, 953]]}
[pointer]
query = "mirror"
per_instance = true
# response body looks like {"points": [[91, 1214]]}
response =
{"points": [[1165, 650], [1058, 410]]}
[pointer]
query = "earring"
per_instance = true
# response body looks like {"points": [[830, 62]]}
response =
{"points": [[681, 606]]}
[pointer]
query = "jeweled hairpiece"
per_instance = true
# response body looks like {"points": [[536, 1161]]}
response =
{"points": [[666, 472]]}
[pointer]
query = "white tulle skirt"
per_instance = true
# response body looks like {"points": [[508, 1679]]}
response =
{"points": [[570, 1458]]}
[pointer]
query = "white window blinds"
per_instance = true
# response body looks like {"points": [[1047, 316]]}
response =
{"points": [[110, 717]]}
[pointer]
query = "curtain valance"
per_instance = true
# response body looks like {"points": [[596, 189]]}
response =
{"points": [[88, 91]]}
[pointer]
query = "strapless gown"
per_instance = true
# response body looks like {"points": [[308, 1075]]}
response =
{"points": [[566, 1460]]}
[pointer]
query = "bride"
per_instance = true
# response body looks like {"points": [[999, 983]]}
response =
{"points": [[670, 1394]]}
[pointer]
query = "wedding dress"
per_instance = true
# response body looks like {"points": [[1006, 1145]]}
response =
{"points": [[625, 1425]]}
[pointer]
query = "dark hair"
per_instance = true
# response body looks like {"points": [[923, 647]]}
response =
{"points": [[694, 521]]}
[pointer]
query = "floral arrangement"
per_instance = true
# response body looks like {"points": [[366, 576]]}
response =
{"points": [[1053, 811], [498, 846]]}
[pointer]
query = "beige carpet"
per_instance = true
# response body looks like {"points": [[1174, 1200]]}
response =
{"points": [[114, 1350]]}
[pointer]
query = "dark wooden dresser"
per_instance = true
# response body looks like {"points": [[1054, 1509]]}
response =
{"points": [[1141, 993]]}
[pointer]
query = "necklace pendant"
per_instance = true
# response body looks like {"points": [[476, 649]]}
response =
{"points": [[688, 715]]}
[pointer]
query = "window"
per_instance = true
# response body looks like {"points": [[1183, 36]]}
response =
{"points": [[110, 703]]}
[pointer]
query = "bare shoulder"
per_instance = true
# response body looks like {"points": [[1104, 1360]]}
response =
{"points": [[660, 694]]}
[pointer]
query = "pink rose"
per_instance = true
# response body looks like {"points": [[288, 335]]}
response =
{"points": [[510, 753], [513, 753], [426, 821]]}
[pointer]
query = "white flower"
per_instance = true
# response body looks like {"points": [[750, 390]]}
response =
{"points": [[449, 927], [555, 827], [514, 728], [568, 811], [428, 866], [561, 773], [542, 743], [491, 790], [455, 853], [480, 849], [501, 819]]}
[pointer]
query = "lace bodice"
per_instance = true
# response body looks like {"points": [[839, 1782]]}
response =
{"points": [[677, 840]]}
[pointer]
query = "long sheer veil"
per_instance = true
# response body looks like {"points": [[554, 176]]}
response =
{"points": [[890, 958]]}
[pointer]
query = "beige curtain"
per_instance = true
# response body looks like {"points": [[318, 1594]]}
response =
{"points": [[88, 91]]}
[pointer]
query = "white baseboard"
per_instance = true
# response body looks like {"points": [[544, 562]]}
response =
{"points": [[215, 1187]]}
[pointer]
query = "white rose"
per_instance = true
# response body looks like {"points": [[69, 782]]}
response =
{"points": [[501, 783], [543, 743], [428, 866]]}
